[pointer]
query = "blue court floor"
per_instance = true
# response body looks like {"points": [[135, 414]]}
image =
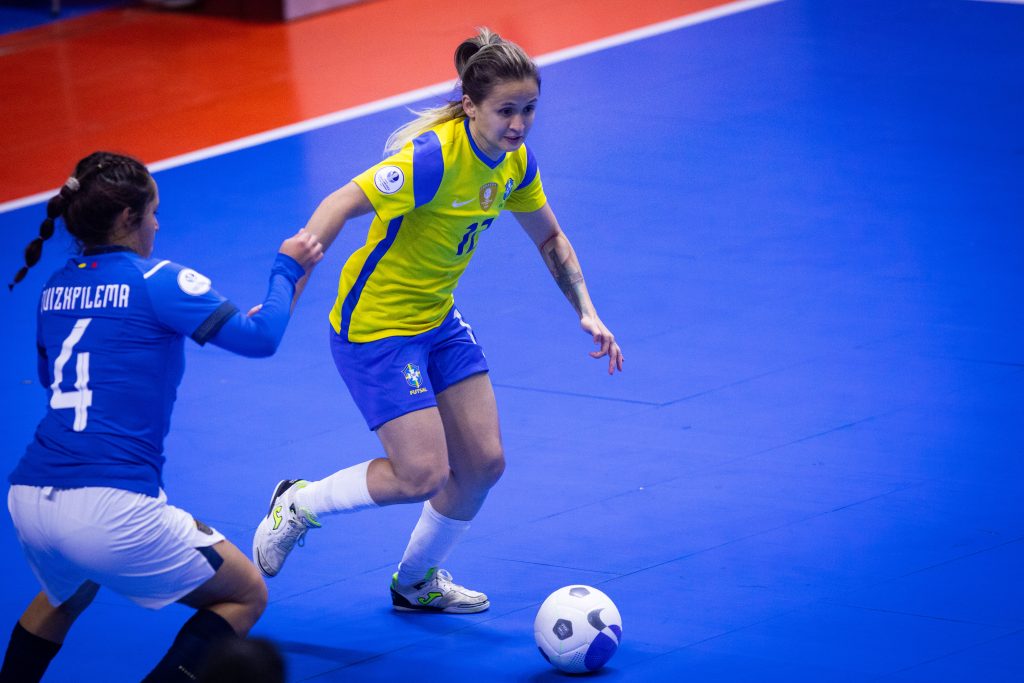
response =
{"points": [[17, 15], [803, 222]]}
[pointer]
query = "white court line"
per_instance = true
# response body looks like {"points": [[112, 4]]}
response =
{"points": [[419, 94]]}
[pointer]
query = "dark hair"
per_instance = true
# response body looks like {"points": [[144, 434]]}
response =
{"points": [[482, 62], [237, 660], [103, 185]]}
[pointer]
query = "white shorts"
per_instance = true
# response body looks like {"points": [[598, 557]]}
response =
{"points": [[141, 547]]}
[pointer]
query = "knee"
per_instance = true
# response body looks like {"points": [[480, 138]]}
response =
{"points": [[247, 600], [427, 483], [489, 466], [423, 483], [251, 601], [82, 598], [253, 592], [260, 597]]}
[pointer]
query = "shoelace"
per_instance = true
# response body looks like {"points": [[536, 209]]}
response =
{"points": [[289, 538], [443, 580]]}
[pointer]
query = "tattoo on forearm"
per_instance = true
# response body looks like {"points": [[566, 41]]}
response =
{"points": [[568, 278]]}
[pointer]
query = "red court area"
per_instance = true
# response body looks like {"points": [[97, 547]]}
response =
{"points": [[158, 84]]}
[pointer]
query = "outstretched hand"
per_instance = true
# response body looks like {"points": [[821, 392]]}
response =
{"points": [[304, 248], [605, 341], [307, 252]]}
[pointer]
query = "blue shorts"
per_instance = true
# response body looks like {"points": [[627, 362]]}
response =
{"points": [[397, 375]]}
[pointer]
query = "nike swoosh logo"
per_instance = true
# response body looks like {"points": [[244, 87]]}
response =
{"points": [[456, 205]]}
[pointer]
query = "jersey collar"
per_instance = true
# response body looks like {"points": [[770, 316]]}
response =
{"points": [[104, 249], [491, 163]]}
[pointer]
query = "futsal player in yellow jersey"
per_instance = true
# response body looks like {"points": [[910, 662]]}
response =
{"points": [[433, 200], [409, 359]]}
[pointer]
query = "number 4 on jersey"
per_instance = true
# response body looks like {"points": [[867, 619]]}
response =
{"points": [[81, 398]]}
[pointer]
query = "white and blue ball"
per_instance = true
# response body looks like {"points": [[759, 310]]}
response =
{"points": [[578, 629]]}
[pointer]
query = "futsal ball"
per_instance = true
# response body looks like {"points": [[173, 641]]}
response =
{"points": [[578, 629]]}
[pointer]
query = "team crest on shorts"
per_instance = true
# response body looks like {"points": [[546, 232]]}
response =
{"points": [[487, 194], [414, 378]]}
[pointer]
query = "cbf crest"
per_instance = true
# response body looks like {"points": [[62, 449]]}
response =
{"points": [[487, 194], [414, 378]]}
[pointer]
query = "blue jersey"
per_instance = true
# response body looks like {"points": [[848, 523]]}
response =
{"points": [[110, 337]]}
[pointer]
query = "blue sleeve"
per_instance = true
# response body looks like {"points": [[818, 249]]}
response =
{"points": [[259, 336], [428, 167], [186, 302], [531, 169]]}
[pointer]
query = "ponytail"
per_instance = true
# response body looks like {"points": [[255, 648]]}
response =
{"points": [[54, 209], [102, 186], [481, 62], [424, 121]]}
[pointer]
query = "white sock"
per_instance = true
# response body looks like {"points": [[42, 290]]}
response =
{"points": [[432, 540], [344, 491]]}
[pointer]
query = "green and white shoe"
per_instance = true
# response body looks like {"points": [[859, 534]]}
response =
{"points": [[437, 593], [283, 527]]}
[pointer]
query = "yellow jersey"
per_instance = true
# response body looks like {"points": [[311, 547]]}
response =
{"points": [[433, 200]]}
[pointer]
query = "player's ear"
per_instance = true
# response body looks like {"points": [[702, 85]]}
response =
{"points": [[468, 106], [123, 220]]}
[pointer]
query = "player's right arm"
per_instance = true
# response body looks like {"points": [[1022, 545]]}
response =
{"points": [[338, 207], [330, 217]]}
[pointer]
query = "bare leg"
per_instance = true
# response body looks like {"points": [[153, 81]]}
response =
{"points": [[417, 464], [39, 633], [475, 454], [473, 442], [451, 455], [53, 623], [236, 592], [227, 605]]}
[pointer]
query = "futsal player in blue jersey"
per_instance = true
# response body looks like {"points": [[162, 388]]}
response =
{"points": [[87, 497], [409, 358]]}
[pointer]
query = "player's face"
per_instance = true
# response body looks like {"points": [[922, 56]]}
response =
{"points": [[500, 123]]}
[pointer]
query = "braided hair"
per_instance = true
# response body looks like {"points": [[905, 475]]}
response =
{"points": [[103, 185]]}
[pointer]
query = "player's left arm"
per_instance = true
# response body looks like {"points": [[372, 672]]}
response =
{"points": [[542, 227]]}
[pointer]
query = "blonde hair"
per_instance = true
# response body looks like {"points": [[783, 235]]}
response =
{"points": [[482, 62]]}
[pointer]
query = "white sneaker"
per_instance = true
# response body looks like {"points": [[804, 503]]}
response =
{"points": [[437, 593], [284, 525]]}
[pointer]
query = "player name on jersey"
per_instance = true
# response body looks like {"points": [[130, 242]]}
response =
{"points": [[87, 297]]}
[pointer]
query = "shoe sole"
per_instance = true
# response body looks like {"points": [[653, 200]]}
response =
{"points": [[259, 565], [444, 610], [451, 609]]}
